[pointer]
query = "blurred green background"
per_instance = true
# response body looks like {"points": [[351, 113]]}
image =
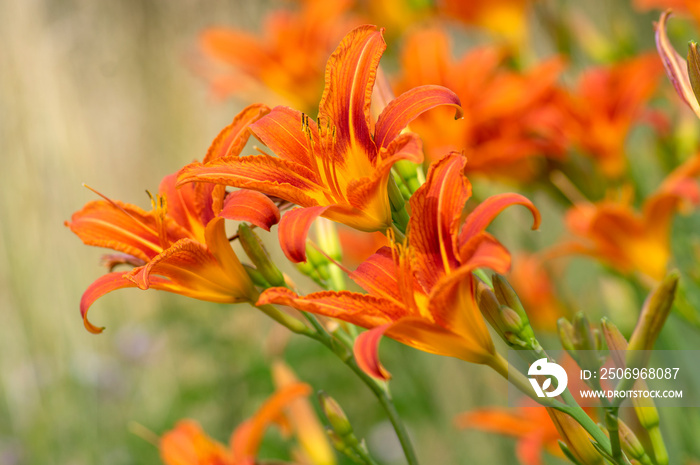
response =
{"points": [[104, 93]]}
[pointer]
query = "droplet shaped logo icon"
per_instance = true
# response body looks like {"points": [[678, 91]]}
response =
{"points": [[544, 368]]}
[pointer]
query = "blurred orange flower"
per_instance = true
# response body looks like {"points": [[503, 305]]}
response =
{"points": [[691, 7], [506, 19], [509, 117], [605, 105], [537, 429], [188, 444], [313, 440], [629, 240], [532, 281], [422, 294], [339, 167], [287, 60], [181, 245], [531, 425]]}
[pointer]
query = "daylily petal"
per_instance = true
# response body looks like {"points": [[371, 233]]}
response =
{"points": [[233, 137], [300, 417], [359, 309], [190, 206], [112, 260], [252, 207], [485, 245], [489, 209], [424, 335], [282, 132], [497, 420], [230, 270], [529, 449], [451, 303], [273, 176], [188, 444], [377, 275], [366, 350], [676, 66], [369, 193], [192, 271], [408, 106], [232, 46], [101, 286], [246, 439], [122, 227], [350, 74], [293, 230], [437, 208]]}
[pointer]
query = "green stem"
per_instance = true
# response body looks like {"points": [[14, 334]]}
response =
{"points": [[345, 354], [613, 426], [577, 413], [282, 318]]}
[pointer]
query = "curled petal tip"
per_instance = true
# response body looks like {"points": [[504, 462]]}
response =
{"points": [[366, 351]]}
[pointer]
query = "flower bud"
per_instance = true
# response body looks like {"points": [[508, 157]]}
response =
{"points": [[506, 295], [631, 445], [566, 335], [694, 68], [654, 313], [335, 415], [488, 305], [256, 251], [576, 438], [513, 326]]}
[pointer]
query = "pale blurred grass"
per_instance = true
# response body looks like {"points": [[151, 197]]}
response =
{"points": [[101, 93]]}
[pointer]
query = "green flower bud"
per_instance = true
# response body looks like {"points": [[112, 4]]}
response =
{"points": [[256, 251]]}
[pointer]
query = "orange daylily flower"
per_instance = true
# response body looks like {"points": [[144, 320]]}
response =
{"points": [[509, 117], [421, 294], [181, 245], [286, 61], [339, 167], [606, 103], [187, 444], [629, 240]]}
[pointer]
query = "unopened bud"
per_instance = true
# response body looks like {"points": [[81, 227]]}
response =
{"points": [[506, 295], [631, 445], [256, 251], [257, 277], [410, 174], [511, 325], [694, 68], [316, 266], [335, 415], [488, 305], [566, 335], [577, 440], [584, 341], [654, 313]]}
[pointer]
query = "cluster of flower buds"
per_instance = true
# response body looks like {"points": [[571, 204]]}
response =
{"points": [[582, 342], [505, 313]]}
